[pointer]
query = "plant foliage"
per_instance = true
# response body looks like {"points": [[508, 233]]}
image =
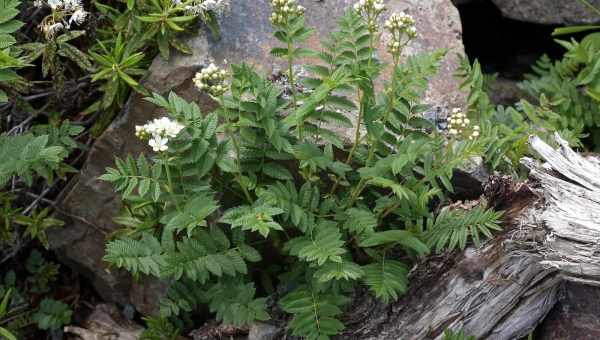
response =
{"points": [[264, 182]]}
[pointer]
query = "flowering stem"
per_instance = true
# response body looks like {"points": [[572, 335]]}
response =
{"points": [[169, 180], [238, 173], [236, 146], [356, 142], [290, 60]]}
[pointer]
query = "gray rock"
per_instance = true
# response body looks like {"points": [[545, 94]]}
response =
{"points": [[575, 315], [89, 205], [506, 92], [468, 181], [560, 12], [263, 331]]}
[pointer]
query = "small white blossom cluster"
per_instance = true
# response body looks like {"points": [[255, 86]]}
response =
{"points": [[212, 80], [402, 30], [199, 7], [64, 14], [283, 10], [460, 125], [158, 132], [370, 9]]}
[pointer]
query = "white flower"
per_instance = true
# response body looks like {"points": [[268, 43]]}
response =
{"points": [[53, 29], [72, 5], [159, 131], [158, 143], [212, 80], [78, 17], [54, 4], [198, 7]]}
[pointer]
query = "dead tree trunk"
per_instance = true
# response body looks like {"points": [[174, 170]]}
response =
{"points": [[506, 288]]}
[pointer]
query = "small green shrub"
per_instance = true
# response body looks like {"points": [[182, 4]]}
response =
{"points": [[572, 84], [26, 289], [505, 130], [52, 314], [263, 180]]}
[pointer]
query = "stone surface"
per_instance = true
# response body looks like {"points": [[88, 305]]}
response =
{"points": [[506, 92], [263, 331], [89, 205], [575, 315], [549, 11], [468, 181]]}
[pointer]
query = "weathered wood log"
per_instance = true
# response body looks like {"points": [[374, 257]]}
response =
{"points": [[105, 323], [506, 288]]}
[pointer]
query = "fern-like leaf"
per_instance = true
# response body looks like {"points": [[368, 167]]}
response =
{"points": [[144, 256], [387, 279], [315, 315], [452, 228]]}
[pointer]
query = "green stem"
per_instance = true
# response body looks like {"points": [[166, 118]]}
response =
{"points": [[390, 106], [169, 180], [354, 146], [388, 211], [238, 162], [293, 85], [362, 184], [238, 173]]}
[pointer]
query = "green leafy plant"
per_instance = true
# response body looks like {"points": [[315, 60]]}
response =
{"points": [[572, 84], [264, 181], [446, 233], [9, 58], [135, 31], [119, 68], [52, 314], [460, 335], [37, 224], [26, 155], [164, 19], [39, 152], [42, 273], [3, 311], [505, 130], [56, 48], [159, 329], [26, 289]]}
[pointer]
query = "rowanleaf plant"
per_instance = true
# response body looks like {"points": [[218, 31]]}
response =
{"points": [[264, 182]]}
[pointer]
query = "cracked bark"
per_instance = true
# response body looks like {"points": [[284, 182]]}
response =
{"points": [[506, 288]]}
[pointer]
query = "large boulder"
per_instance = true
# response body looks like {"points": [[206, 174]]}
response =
{"points": [[90, 205], [559, 12]]}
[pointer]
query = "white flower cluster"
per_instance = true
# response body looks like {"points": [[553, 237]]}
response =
{"points": [[158, 132], [460, 125], [370, 6], [370, 9], [199, 7], [283, 10], [402, 29], [212, 80], [64, 14]]}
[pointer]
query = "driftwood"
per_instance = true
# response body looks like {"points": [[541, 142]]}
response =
{"points": [[105, 323], [506, 288]]}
